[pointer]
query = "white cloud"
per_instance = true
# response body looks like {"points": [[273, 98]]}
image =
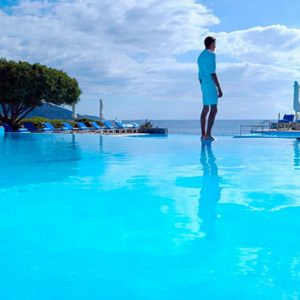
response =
{"points": [[126, 50], [254, 91], [275, 45], [112, 47], [265, 63]]}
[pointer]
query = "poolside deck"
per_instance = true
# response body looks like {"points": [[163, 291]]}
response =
{"points": [[269, 129]]}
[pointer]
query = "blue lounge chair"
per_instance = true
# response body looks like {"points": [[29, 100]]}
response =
{"points": [[96, 126], [51, 127], [32, 128], [8, 128], [82, 126], [286, 122], [108, 126], [130, 128], [120, 124], [67, 126], [287, 119]]}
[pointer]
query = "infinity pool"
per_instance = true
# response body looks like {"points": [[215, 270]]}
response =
{"points": [[102, 217]]}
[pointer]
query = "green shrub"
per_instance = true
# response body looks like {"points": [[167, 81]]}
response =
{"points": [[100, 123], [73, 123], [56, 123], [38, 122], [84, 120]]}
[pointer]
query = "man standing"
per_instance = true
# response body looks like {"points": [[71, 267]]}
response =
{"points": [[210, 87]]}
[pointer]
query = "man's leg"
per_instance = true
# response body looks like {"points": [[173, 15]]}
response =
{"points": [[204, 113], [211, 120]]}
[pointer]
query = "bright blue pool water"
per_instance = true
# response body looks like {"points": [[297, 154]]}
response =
{"points": [[102, 217]]}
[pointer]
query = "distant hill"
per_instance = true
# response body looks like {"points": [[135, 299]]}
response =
{"points": [[51, 112], [55, 112], [89, 117]]}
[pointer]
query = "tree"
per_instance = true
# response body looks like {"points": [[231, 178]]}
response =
{"points": [[25, 86]]}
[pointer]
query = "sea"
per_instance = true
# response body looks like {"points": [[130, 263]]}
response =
{"points": [[221, 127]]}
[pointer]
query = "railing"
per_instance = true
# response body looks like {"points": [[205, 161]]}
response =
{"points": [[264, 126]]}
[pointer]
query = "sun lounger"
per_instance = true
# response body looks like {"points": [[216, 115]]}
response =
{"points": [[8, 128], [130, 128], [51, 127], [287, 119], [96, 126], [108, 127], [67, 126], [82, 126], [32, 128], [286, 122], [108, 124]]}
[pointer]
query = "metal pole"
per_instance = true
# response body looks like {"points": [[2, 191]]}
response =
{"points": [[101, 109], [74, 116], [296, 99]]}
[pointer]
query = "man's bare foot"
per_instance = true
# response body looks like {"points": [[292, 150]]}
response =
{"points": [[210, 138]]}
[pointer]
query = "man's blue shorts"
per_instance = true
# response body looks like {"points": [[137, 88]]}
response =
{"points": [[209, 93]]}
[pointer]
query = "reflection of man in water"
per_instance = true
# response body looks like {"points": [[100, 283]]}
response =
{"points": [[210, 193], [296, 154]]}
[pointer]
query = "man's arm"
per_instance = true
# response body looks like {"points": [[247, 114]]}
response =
{"points": [[216, 81]]}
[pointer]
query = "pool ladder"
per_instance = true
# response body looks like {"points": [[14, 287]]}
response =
{"points": [[262, 126]]}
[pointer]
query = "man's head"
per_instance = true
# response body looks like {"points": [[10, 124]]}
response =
{"points": [[210, 43]]}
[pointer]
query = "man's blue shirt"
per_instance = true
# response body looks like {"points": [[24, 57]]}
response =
{"points": [[206, 65]]}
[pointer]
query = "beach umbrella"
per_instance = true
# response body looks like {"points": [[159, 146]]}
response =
{"points": [[101, 109], [74, 115], [296, 98]]}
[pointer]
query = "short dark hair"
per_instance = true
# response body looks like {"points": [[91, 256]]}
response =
{"points": [[208, 41]]}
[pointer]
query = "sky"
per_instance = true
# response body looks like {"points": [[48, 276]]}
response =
{"points": [[140, 56]]}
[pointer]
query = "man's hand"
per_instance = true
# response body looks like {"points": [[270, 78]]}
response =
{"points": [[216, 81], [220, 93]]}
